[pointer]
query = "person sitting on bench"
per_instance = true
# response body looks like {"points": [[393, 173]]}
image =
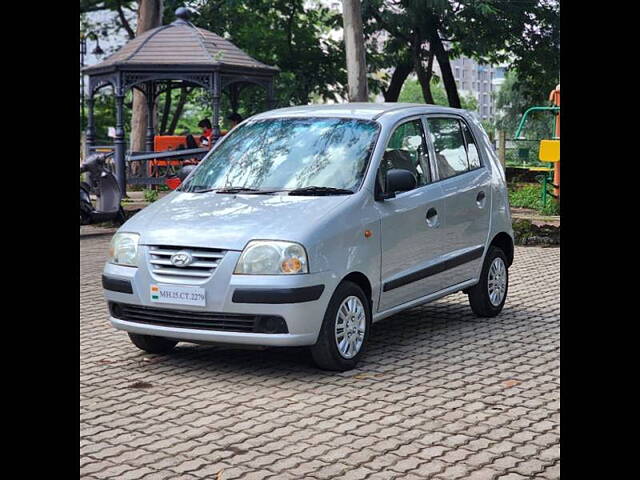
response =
{"points": [[205, 138]]}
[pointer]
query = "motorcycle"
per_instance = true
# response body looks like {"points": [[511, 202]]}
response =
{"points": [[103, 184]]}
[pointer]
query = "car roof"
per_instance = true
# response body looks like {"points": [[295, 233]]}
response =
{"points": [[363, 111]]}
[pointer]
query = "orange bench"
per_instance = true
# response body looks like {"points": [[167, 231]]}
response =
{"points": [[163, 143]]}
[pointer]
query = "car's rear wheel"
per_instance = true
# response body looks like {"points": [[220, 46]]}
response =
{"points": [[487, 297], [345, 329], [152, 344]]}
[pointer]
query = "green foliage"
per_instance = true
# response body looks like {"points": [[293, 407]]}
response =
{"points": [[512, 103], [412, 93], [150, 195], [291, 34], [511, 100], [524, 35], [294, 35], [529, 195]]}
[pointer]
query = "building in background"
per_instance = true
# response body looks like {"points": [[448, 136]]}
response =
{"points": [[478, 80]]}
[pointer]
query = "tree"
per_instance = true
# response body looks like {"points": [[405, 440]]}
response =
{"points": [[354, 46], [149, 16], [412, 93], [418, 24], [511, 103], [295, 35], [123, 10], [524, 35]]}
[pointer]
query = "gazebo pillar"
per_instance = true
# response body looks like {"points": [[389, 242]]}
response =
{"points": [[119, 144], [271, 103], [90, 133], [215, 108], [234, 97], [150, 96]]}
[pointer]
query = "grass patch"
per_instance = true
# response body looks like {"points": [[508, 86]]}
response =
{"points": [[150, 195], [528, 195], [526, 233]]}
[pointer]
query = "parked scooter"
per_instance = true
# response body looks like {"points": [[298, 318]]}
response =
{"points": [[103, 184]]}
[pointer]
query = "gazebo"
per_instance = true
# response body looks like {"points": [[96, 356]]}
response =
{"points": [[181, 52]]}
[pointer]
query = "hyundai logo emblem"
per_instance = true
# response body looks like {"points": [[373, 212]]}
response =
{"points": [[181, 259]]}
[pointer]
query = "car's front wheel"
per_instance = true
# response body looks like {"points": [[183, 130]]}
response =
{"points": [[345, 329], [152, 344], [487, 297]]}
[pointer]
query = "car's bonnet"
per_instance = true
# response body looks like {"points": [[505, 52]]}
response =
{"points": [[228, 221]]}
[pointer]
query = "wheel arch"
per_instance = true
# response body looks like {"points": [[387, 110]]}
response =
{"points": [[504, 241], [363, 282]]}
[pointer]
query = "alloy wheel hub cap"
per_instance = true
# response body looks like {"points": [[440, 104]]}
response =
{"points": [[350, 327], [497, 281]]}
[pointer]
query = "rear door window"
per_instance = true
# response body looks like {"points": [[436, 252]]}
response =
{"points": [[449, 145], [472, 149]]}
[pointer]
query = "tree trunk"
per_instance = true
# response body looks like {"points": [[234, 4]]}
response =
{"points": [[354, 46], [149, 16], [400, 74], [424, 74], [445, 68]]}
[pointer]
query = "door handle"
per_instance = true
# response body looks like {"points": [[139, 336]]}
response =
{"points": [[480, 199], [432, 218]]}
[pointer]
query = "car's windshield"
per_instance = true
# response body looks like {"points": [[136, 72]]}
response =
{"points": [[287, 154]]}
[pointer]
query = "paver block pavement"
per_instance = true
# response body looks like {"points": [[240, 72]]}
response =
{"points": [[440, 394]]}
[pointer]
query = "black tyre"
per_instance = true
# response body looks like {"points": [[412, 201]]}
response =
{"points": [[345, 329], [487, 297], [152, 344]]}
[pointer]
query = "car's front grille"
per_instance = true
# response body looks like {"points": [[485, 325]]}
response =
{"points": [[229, 322], [205, 261]]}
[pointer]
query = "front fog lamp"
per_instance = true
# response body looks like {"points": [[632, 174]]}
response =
{"points": [[124, 249], [266, 257]]}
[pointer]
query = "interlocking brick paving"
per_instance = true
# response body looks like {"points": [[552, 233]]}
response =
{"points": [[440, 394]]}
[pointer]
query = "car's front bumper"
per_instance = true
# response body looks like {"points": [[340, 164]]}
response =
{"points": [[300, 299], [212, 336]]}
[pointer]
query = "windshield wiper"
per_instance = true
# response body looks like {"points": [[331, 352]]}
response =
{"points": [[203, 190], [244, 190], [311, 190]]}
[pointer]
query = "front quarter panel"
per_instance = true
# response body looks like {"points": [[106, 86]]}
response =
{"points": [[338, 243]]}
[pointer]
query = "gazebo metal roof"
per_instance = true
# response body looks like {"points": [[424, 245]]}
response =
{"points": [[181, 52], [178, 45]]}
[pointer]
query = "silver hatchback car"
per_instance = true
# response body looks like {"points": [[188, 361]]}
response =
{"points": [[305, 225]]}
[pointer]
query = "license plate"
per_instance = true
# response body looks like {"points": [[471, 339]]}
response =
{"points": [[178, 295]]}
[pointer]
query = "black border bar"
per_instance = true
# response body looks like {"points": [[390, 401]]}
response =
{"points": [[434, 269], [277, 295], [116, 284]]}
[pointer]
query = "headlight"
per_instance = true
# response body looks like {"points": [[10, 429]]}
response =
{"points": [[270, 257], [124, 249]]}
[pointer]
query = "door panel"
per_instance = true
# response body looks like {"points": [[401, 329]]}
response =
{"points": [[466, 220], [410, 245], [466, 187]]}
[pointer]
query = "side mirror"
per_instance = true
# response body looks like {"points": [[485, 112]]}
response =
{"points": [[399, 180]]}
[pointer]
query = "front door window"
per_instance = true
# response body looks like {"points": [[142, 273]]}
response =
{"points": [[407, 150]]}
